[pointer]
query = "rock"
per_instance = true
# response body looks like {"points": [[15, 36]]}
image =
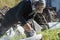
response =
{"points": [[36, 25], [10, 32], [20, 29], [36, 37], [54, 25]]}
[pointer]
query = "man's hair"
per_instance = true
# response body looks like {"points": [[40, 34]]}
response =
{"points": [[38, 3]]}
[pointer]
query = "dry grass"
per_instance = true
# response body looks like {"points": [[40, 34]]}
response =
{"points": [[9, 3]]}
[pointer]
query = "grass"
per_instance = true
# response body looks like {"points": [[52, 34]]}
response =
{"points": [[9, 3], [51, 34], [18, 37]]}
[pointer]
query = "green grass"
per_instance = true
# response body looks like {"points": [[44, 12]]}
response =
{"points": [[18, 37], [51, 34]]}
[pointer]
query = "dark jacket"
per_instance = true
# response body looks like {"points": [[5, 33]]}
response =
{"points": [[18, 13]]}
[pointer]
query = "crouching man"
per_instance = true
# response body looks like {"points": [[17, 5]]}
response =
{"points": [[18, 13]]}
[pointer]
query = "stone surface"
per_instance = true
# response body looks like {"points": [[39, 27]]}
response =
{"points": [[54, 25], [36, 37]]}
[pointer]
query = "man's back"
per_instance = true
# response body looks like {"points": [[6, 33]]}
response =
{"points": [[14, 14]]}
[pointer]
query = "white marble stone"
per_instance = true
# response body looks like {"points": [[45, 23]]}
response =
{"points": [[36, 37], [54, 25]]}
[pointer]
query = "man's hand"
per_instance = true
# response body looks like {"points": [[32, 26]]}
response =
{"points": [[27, 27]]}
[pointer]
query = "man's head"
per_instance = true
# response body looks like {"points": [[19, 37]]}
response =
{"points": [[39, 4], [39, 7]]}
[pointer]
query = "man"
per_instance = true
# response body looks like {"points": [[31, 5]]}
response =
{"points": [[18, 13], [41, 16]]}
